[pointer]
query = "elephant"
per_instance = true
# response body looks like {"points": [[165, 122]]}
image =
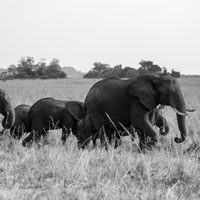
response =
{"points": [[131, 101], [21, 121], [49, 113], [7, 110], [86, 128]]}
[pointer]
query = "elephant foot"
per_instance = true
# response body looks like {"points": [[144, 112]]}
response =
{"points": [[65, 134], [28, 140], [63, 139]]}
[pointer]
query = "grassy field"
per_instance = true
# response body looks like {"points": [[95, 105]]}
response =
{"points": [[171, 171]]}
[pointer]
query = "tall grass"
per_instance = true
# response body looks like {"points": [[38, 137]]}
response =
{"points": [[53, 171]]}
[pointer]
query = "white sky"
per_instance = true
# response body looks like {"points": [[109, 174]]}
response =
{"points": [[81, 32]]}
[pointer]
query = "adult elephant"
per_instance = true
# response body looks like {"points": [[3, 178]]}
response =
{"points": [[48, 113], [21, 121], [130, 102], [7, 110], [87, 132]]}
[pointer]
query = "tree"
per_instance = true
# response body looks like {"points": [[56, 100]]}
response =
{"points": [[54, 70], [129, 72], [54, 66], [149, 67], [55, 62], [91, 74], [118, 67], [175, 74], [155, 69], [99, 67], [25, 67], [12, 69], [164, 70], [99, 71], [145, 65], [104, 71]]}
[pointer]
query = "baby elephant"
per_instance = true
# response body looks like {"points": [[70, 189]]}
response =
{"points": [[21, 121], [48, 113]]}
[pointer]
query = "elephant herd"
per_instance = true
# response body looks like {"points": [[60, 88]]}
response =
{"points": [[111, 106]]}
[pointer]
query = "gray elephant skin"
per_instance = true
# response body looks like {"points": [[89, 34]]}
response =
{"points": [[87, 130], [48, 113], [130, 102], [7, 110], [21, 121]]}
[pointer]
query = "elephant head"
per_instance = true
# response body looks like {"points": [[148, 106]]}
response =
{"points": [[6, 110], [85, 131], [154, 89]]}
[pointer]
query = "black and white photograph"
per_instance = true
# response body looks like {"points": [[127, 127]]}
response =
{"points": [[99, 100]]}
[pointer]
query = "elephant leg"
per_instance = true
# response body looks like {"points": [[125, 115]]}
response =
{"points": [[44, 133], [94, 140], [116, 139], [142, 123], [85, 141], [132, 132], [89, 134], [33, 136], [103, 137], [107, 137], [65, 134], [28, 139], [142, 141], [18, 132], [36, 131], [36, 135]]}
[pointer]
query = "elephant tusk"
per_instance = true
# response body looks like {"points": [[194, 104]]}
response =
{"points": [[160, 106], [179, 113], [190, 110]]}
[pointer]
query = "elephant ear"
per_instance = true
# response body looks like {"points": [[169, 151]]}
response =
{"points": [[75, 109], [144, 90]]}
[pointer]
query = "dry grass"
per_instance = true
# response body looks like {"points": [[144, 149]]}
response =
{"points": [[53, 171]]}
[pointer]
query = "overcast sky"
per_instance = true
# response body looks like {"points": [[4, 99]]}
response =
{"points": [[81, 32]]}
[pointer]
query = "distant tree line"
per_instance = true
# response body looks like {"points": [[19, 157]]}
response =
{"points": [[28, 69], [104, 71], [101, 70]]}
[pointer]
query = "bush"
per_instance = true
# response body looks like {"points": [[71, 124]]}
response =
{"points": [[105, 72], [26, 69]]}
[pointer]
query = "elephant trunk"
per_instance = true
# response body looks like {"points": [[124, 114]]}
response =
{"points": [[9, 116], [180, 106]]}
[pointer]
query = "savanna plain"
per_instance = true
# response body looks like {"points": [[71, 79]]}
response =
{"points": [[54, 171]]}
